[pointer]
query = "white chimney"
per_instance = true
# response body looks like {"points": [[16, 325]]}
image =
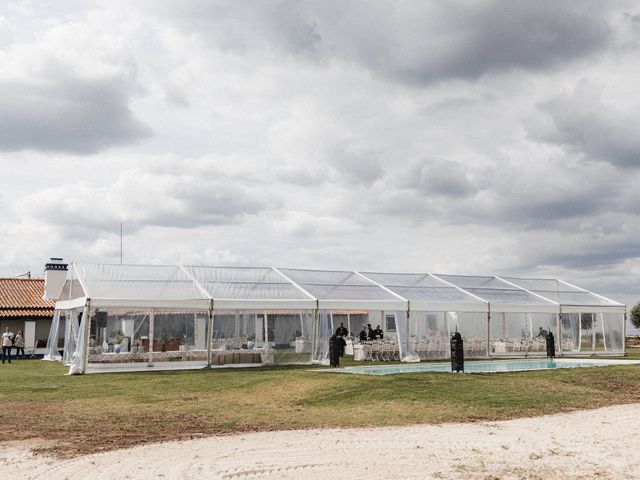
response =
{"points": [[55, 274]]}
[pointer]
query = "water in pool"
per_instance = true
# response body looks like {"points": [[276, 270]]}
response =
{"points": [[485, 366]]}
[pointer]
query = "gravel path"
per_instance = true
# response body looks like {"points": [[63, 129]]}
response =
{"points": [[580, 445]]}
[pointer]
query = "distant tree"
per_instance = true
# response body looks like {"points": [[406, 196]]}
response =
{"points": [[634, 315]]}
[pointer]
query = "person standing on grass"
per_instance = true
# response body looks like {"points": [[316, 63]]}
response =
{"points": [[7, 344], [18, 343]]}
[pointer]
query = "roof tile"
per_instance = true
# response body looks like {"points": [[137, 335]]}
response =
{"points": [[21, 297]]}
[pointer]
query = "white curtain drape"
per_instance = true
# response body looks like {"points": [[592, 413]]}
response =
{"points": [[70, 336], [52, 353], [407, 354], [320, 355], [77, 361]]}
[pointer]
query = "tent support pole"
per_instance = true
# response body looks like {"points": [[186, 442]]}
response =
{"points": [[209, 333], [314, 335], [265, 328], [488, 345], [559, 317], [87, 329], [152, 322]]}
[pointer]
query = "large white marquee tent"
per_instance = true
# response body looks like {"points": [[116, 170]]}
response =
{"points": [[166, 317]]}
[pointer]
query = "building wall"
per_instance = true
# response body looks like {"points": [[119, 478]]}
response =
{"points": [[43, 325]]}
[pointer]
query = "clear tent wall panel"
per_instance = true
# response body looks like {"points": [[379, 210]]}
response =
{"points": [[428, 335], [588, 332], [518, 333], [570, 332], [599, 332], [287, 333], [613, 329], [118, 335], [180, 335], [473, 328], [233, 329], [289, 336]]}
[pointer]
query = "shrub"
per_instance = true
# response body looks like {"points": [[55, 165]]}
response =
{"points": [[634, 315]]}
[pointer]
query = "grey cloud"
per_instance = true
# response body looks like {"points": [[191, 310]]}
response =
{"points": [[420, 42], [592, 256], [279, 25], [416, 42], [543, 211], [583, 123], [440, 177], [64, 112], [354, 163], [509, 196], [305, 177]]}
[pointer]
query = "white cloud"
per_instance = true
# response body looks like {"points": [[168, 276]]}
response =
{"points": [[69, 90]]}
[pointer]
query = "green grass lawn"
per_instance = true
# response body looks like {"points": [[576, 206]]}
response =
{"points": [[90, 413]]}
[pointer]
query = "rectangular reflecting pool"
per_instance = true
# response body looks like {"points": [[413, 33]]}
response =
{"points": [[485, 366]]}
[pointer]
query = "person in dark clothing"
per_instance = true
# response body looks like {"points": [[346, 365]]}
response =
{"points": [[551, 346], [378, 334], [334, 350], [343, 343], [542, 333], [370, 335], [363, 334], [342, 331]]}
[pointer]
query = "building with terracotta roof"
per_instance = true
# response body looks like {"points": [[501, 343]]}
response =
{"points": [[22, 307]]}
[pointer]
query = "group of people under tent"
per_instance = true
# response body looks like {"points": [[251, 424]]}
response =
{"points": [[367, 334], [9, 341]]}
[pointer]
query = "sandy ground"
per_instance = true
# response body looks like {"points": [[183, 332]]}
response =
{"points": [[583, 445]]}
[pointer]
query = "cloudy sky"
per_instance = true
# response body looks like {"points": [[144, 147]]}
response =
{"points": [[455, 137]]}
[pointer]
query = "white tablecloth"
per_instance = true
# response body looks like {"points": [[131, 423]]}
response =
{"points": [[358, 353], [348, 349]]}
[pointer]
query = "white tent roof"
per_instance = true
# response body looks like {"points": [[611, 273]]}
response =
{"points": [[250, 288], [267, 288]]}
